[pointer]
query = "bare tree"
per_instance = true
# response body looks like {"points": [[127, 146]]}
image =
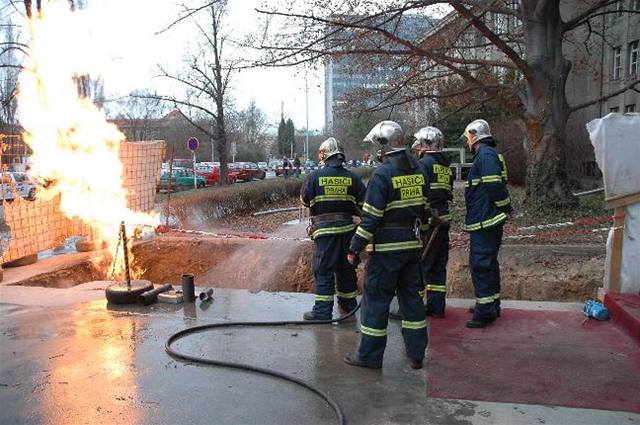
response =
{"points": [[206, 77], [139, 114], [528, 45]]}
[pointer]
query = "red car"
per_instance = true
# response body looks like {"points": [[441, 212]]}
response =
{"points": [[247, 171], [212, 175]]}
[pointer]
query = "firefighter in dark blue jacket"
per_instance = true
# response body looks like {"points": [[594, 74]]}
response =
{"points": [[394, 209], [436, 167], [488, 206], [334, 195]]}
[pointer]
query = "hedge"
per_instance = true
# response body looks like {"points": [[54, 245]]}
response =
{"points": [[204, 205]]}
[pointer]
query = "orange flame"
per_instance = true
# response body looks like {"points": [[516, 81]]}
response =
{"points": [[73, 144]]}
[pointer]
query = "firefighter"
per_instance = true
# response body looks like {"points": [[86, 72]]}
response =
{"points": [[334, 195], [488, 206], [393, 211], [436, 167]]}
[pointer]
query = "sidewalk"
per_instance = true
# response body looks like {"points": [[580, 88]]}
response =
{"points": [[85, 363]]}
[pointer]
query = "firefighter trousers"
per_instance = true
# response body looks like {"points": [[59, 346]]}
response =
{"points": [[485, 271], [330, 270], [434, 270], [387, 275]]}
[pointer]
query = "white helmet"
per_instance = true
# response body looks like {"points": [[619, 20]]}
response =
{"points": [[429, 139], [329, 148], [476, 131], [386, 133]]}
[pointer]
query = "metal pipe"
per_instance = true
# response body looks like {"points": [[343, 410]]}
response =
{"points": [[125, 249], [589, 192], [149, 297]]}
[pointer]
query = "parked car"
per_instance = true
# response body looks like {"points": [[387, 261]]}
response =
{"points": [[248, 171], [181, 179], [211, 174], [18, 183], [310, 165]]}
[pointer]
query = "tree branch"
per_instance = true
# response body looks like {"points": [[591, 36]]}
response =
{"points": [[631, 86]]}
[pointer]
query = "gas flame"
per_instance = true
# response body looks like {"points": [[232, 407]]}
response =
{"points": [[73, 144]]}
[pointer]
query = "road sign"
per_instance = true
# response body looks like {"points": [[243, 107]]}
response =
{"points": [[234, 149], [193, 144]]}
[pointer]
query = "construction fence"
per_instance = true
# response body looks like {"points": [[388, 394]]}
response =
{"points": [[30, 225]]}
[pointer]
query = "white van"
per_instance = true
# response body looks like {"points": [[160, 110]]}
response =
{"points": [[14, 182]]}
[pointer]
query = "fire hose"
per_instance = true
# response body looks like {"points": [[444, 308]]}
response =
{"points": [[264, 371]]}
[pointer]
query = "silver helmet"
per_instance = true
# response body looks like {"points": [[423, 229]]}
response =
{"points": [[429, 139], [329, 148], [476, 131], [386, 133]]}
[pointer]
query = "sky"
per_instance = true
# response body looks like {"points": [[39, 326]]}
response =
{"points": [[137, 49]]}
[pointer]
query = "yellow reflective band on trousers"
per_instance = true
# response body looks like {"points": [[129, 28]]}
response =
{"points": [[492, 178], [324, 297], [487, 223], [414, 325], [503, 203], [332, 198], [394, 246], [347, 294], [368, 208], [407, 203], [364, 234], [436, 288], [485, 300], [372, 331], [333, 230]]}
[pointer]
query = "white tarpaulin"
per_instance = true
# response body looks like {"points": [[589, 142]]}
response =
{"points": [[616, 141]]}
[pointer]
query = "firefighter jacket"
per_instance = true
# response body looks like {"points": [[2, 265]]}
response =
{"points": [[394, 208], [437, 170], [486, 193], [333, 194]]}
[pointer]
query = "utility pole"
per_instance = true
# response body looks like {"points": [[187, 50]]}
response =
{"points": [[306, 131]]}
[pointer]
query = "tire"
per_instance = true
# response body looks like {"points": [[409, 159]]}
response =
{"points": [[118, 293], [200, 185], [24, 261]]}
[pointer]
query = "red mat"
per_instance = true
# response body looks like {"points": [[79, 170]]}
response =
{"points": [[534, 357]]}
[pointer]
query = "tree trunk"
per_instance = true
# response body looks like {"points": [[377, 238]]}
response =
{"points": [[546, 111], [222, 143]]}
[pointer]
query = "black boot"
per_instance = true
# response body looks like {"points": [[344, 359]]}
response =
{"points": [[415, 364], [473, 310], [354, 360], [311, 315], [479, 323]]}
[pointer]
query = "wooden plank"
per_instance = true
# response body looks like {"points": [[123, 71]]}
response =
{"points": [[616, 250], [623, 200]]}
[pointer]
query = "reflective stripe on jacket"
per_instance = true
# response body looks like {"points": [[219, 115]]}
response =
{"points": [[486, 193], [394, 204], [333, 189]]}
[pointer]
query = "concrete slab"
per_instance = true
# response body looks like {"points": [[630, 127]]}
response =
{"points": [[90, 363], [13, 275]]}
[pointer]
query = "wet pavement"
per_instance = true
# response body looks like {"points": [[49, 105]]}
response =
{"points": [[88, 363]]}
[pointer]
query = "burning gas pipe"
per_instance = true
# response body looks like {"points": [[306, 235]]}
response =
{"points": [[129, 291]]}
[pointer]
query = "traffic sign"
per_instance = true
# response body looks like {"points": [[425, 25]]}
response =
{"points": [[234, 149], [193, 144]]}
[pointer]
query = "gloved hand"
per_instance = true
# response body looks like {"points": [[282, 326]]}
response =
{"points": [[353, 258]]}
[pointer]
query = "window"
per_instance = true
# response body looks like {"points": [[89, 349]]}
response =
{"points": [[617, 63], [619, 7], [635, 5], [630, 108], [633, 58], [614, 109]]}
